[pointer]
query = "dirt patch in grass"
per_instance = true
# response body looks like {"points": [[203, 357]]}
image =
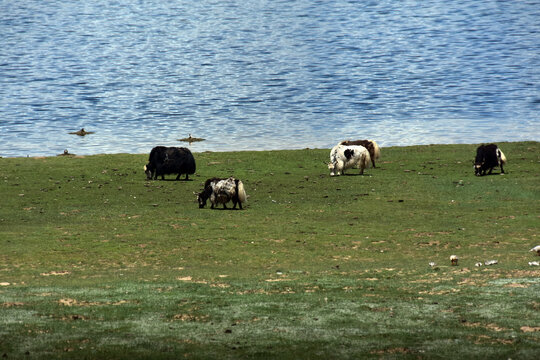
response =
{"points": [[56, 273], [530, 328], [473, 282], [12, 304], [492, 327], [73, 302], [74, 317], [517, 285], [485, 339], [398, 350], [440, 292], [190, 317], [526, 273], [432, 234]]}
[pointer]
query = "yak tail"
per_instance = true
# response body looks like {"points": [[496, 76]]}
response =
{"points": [[242, 197], [366, 160], [502, 157], [376, 150]]}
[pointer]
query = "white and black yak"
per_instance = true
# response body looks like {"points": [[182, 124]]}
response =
{"points": [[488, 157], [370, 145], [345, 157], [169, 160], [221, 191]]}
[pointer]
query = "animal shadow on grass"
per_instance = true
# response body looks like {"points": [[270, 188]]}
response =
{"points": [[495, 173], [355, 174], [173, 179]]}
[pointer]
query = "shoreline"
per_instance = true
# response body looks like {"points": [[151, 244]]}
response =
{"points": [[75, 155]]}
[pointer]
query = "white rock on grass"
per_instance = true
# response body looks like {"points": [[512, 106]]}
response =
{"points": [[536, 249]]}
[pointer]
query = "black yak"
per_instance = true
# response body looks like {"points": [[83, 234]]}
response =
{"points": [[169, 160], [488, 157]]}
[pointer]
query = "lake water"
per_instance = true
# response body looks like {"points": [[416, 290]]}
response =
{"points": [[260, 75]]}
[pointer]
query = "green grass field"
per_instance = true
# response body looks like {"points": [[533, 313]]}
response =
{"points": [[98, 263]]}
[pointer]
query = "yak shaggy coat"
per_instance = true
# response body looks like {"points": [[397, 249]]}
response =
{"points": [[169, 160], [370, 145], [221, 191], [345, 157], [488, 157]]}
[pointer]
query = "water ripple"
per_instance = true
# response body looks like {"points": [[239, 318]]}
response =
{"points": [[265, 75]]}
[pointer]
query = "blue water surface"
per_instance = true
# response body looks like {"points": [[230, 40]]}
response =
{"points": [[260, 75]]}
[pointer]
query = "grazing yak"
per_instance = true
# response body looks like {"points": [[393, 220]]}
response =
{"points": [[370, 145], [488, 157], [169, 160], [345, 157], [221, 191]]}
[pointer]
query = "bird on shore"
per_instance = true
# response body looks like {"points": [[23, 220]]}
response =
{"points": [[66, 153]]}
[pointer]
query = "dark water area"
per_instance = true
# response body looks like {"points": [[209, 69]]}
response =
{"points": [[261, 75]]}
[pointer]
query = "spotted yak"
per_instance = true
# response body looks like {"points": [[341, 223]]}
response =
{"points": [[221, 191], [370, 145], [345, 157]]}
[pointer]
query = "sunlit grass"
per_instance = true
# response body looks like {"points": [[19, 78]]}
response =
{"points": [[97, 262]]}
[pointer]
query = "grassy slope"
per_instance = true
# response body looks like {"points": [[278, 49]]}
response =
{"points": [[101, 262]]}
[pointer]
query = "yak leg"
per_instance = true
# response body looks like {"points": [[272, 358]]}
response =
{"points": [[237, 201], [178, 176], [502, 170], [373, 163]]}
